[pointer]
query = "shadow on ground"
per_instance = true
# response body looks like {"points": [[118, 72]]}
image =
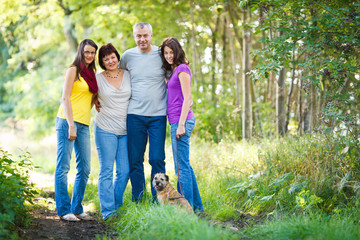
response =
{"points": [[45, 224]]}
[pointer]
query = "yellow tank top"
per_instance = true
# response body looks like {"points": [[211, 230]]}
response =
{"points": [[80, 102]]}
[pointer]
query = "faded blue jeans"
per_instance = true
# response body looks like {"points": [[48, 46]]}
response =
{"points": [[82, 152], [188, 182], [111, 149], [139, 129]]}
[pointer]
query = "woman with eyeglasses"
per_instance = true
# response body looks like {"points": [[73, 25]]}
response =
{"points": [[72, 128], [110, 130]]}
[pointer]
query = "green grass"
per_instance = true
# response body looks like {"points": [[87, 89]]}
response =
{"points": [[291, 188], [316, 227], [151, 221]]}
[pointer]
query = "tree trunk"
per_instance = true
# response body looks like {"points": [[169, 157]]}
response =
{"points": [[280, 103], [233, 61], [69, 27], [322, 97], [225, 42], [307, 115], [313, 103], [69, 32], [246, 111], [314, 107], [289, 102], [300, 104], [193, 48], [234, 21], [213, 59], [271, 79], [255, 112]]}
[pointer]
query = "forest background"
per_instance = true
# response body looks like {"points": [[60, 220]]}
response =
{"points": [[265, 69], [260, 68]]}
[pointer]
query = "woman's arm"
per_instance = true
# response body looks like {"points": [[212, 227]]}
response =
{"points": [[65, 100], [94, 100], [185, 82]]}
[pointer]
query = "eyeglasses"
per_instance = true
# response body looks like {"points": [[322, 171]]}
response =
{"points": [[87, 53]]}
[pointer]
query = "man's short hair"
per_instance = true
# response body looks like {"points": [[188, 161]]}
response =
{"points": [[142, 25]]}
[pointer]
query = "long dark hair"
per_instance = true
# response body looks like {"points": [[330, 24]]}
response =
{"points": [[80, 56], [179, 54]]}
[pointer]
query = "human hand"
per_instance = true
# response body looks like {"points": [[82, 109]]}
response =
{"points": [[72, 133], [97, 105], [180, 131]]}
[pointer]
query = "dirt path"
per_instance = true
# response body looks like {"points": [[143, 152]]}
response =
{"points": [[47, 225]]}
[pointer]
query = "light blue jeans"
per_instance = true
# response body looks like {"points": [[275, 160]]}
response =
{"points": [[188, 182], [111, 149], [82, 152]]}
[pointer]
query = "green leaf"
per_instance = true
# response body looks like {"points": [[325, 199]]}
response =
{"points": [[327, 131], [267, 198]]}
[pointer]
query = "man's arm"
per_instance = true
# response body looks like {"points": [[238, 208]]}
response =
{"points": [[123, 62]]}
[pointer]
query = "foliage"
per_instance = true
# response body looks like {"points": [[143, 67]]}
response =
{"points": [[319, 40], [219, 122], [306, 174], [305, 227], [15, 190], [35, 40], [306, 200], [292, 193], [149, 221], [301, 187]]}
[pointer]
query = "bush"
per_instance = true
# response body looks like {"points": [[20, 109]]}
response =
{"points": [[307, 174], [15, 190]]}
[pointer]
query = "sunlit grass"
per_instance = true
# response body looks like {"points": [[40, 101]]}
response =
{"points": [[150, 221], [236, 179]]}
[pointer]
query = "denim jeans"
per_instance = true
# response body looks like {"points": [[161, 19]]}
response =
{"points": [[140, 128], [82, 152], [188, 182], [111, 149]]}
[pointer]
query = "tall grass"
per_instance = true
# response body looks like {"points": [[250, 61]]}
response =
{"points": [[291, 188], [299, 174], [309, 227], [150, 221], [218, 167]]}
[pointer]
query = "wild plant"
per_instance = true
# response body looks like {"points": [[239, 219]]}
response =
{"points": [[15, 190]]}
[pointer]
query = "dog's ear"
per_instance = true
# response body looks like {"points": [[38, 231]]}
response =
{"points": [[167, 177]]}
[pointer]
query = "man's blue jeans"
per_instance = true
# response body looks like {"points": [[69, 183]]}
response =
{"points": [[111, 149], [188, 182], [139, 129], [82, 152]]}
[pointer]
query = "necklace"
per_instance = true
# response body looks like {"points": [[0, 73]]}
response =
{"points": [[109, 76]]}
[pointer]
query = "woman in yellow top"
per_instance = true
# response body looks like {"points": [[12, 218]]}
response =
{"points": [[72, 128]]}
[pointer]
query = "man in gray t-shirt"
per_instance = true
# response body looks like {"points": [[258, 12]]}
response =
{"points": [[147, 108]]}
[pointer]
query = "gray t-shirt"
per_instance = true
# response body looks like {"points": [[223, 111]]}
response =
{"points": [[114, 104], [148, 89]]}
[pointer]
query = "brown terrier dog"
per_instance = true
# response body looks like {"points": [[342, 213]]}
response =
{"points": [[166, 194]]}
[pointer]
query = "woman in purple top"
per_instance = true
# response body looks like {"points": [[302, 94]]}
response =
{"points": [[180, 116]]}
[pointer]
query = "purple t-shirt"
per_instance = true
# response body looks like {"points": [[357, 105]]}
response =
{"points": [[175, 97]]}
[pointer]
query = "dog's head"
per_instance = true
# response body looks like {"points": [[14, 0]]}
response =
{"points": [[159, 181]]}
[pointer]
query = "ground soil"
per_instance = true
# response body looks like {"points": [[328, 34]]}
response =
{"points": [[45, 224]]}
